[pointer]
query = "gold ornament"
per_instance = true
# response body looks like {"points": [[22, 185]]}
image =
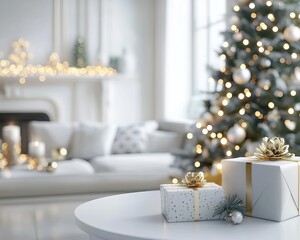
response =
{"points": [[194, 179], [273, 149]]}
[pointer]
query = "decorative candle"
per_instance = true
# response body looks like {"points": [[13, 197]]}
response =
{"points": [[36, 149], [11, 144], [11, 133]]}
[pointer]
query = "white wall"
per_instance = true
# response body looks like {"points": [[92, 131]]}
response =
{"points": [[127, 24]]}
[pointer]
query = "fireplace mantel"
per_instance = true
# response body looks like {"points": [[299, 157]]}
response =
{"points": [[75, 98]]}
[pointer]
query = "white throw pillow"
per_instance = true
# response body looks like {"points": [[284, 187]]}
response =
{"points": [[163, 141], [91, 139], [53, 134], [130, 139]]}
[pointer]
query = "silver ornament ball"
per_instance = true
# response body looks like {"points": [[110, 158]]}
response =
{"points": [[241, 76], [292, 33], [265, 62], [236, 134], [236, 217]]}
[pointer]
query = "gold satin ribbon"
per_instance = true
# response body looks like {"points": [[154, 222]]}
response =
{"points": [[197, 207], [249, 200]]}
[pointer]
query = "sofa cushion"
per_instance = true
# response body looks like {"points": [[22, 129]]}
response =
{"points": [[92, 139], [147, 162], [163, 141], [53, 134], [130, 139], [71, 167]]}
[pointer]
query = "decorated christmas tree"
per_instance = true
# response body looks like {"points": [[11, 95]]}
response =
{"points": [[256, 90]]}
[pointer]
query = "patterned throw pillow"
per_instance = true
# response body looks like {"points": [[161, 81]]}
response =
{"points": [[130, 139]]}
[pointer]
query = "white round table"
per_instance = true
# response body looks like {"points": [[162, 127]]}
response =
{"points": [[138, 216]]}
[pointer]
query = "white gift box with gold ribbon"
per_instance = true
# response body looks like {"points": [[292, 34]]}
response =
{"points": [[181, 204], [269, 184]]}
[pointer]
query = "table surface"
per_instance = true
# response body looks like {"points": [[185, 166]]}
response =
{"points": [[138, 216]]}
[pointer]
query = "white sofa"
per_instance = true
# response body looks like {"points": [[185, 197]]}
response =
{"points": [[94, 166]]}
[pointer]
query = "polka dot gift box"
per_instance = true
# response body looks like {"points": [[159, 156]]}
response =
{"points": [[194, 200]]}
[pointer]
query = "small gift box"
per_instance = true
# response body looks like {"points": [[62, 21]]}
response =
{"points": [[184, 202], [269, 183]]}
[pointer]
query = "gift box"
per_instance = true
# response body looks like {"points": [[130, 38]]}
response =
{"points": [[269, 189], [181, 204]]}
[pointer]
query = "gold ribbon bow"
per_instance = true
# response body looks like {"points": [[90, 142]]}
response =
{"points": [[271, 149]]}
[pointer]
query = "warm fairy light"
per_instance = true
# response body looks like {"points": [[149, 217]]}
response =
{"points": [[223, 141], [251, 5], [241, 96], [198, 125], [220, 113], [286, 46], [248, 94], [225, 102], [247, 105], [270, 48], [199, 150], [244, 124], [292, 15], [219, 166], [258, 28], [291, 111], [282, 60], [211, 80], [271, 105], [229, 95], [204, 131], [243, 66], [279, 94], [261, 49], [223, 69], [266, 87], [293, 93], [271, 17], [257, 113], [248, 50], [225, 44], [228, 153], [294, 55], [213, 135], [223, 57], [219, 135], [263, 26], [237, 147], [242, 111], [269, 3], [174, 180], [228, 85], [220, 81], [259, 44], [22, 80], [253, 15], [275, 29], [209, 127], [246, 42], [197, 164], [42, 78], [233, 27], [189, 136], [236, 8]]}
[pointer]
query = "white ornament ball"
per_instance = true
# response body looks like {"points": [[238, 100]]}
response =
{"points": [[292, 34], [236, 217], [265, 62], [238, 36], [241, 76], [236, 134]]}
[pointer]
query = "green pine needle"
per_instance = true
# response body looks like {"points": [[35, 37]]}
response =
{"points": [[230, 204]]}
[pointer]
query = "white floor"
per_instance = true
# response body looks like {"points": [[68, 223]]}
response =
{"points": [[40, 221]]}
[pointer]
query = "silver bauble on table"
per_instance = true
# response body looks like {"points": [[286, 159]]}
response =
{"points": [[236, 217], [291, 33], [236, 134], [241, 76]]}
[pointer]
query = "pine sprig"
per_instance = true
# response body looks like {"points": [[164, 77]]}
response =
{"points": [[230, 204]]}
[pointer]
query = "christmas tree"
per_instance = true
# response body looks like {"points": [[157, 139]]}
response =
{"points": [[256, 92]]}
